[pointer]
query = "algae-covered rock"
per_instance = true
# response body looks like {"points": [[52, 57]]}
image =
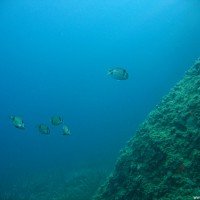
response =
{"points": [[162, 160]]}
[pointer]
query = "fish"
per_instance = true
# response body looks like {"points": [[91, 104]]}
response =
{"points": [[118, 73], [56, 120], [66, 130], [17, 122], [43, 129]]}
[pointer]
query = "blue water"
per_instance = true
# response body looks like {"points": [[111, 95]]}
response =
{"points": [[54, 57]]}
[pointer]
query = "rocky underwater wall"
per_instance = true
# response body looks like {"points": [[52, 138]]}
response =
{"points": [[162, 160]]}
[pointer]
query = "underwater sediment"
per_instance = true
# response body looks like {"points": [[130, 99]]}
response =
{"points": [[54, 184], [162, 160]]}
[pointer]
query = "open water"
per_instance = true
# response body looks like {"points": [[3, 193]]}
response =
{"points": [[54, 58]]}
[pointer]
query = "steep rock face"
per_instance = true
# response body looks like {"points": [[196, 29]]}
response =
{"points": [[162, 160]]}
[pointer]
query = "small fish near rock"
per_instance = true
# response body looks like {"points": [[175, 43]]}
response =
{"points": [[43, 129], [17, 122], [118, 73], [56, 120], [66, 130]]}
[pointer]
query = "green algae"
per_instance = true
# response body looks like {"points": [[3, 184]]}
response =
{"points": [[162, 160]]}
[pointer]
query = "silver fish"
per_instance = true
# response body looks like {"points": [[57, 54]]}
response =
{"points": [[43, 129], [56, 120], [17, 122], [66, 130], [118, 73]]}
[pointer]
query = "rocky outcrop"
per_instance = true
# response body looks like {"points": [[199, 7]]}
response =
{"points": [[162, 160]]}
